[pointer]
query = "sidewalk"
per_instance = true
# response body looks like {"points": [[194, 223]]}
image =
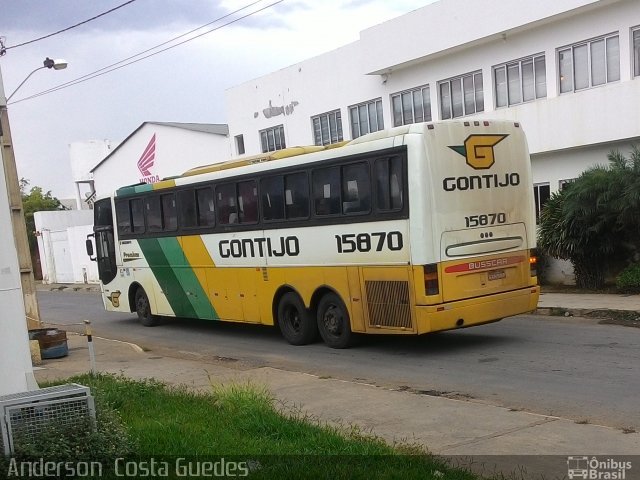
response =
{"points": [[468, 431], [589, 301]]}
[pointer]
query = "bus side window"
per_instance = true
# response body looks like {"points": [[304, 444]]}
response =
{"points": [[137, 215], [326, 191], [226, 204], [389, 184], [123, 217], [188, 218], [248, 201], [153, 213], [296, 190], [206, 210], [356, 188], [169, 212], [272, 199]]}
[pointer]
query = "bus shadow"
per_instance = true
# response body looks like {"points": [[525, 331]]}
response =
{"points": [[477, 339], [436, 343]]}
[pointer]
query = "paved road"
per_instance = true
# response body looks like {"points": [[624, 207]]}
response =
{"points": [[573, 368]]}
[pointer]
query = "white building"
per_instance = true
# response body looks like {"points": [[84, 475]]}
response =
{"points": [[156, 150], [568, 70]]}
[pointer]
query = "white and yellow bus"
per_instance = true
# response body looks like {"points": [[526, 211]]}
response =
{"points": [[416, 229]]}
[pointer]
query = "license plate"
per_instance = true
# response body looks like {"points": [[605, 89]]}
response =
{"points": [[497, 274]]}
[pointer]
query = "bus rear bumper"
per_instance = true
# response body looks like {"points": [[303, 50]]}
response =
{"points": [[476, 311]]}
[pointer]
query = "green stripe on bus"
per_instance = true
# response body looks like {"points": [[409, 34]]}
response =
{"points": [[197, 297], [133, 190], [166, 277], [147, 187]]}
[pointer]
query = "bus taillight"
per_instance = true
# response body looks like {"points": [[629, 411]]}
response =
{"points": [[533, 262], [431, 284]]}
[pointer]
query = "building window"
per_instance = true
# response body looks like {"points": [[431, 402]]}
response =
{"points": [[541, 193], [562, 184], [272, 139], [588, 64], [327, 128], [636, 52], [411, 106], [461, 95], [366, 118], [520, 81], [239, 144]]}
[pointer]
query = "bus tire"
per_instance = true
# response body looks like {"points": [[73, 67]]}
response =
{"points": [[296, 323], [143, 309], [334, 324]]}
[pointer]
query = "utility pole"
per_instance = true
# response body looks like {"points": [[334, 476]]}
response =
{"points": [[17, 217], [16, 374]]}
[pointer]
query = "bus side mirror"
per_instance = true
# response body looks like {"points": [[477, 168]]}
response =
{"points": [[89, 245]]}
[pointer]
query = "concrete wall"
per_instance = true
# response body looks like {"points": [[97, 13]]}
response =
{"points": [[61, 244]]}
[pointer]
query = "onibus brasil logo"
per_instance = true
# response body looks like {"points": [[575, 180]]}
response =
{"points": [[146, 161], [478, 150], [595, 468]]}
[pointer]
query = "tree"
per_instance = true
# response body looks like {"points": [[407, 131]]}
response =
{"points": [[36, 201], [594, 222]]}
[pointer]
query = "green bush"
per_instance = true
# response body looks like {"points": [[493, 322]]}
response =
{"points": [[629, 279]]}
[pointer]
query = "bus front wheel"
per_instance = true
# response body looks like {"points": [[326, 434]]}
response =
{"points": [[333, 322], [143, 309], [296, 324]]}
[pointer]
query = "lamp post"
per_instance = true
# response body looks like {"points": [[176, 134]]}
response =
{"points": [[17, 290]]}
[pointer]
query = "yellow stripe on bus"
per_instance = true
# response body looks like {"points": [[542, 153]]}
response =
{"points": [[197, 255], [164, 184]]}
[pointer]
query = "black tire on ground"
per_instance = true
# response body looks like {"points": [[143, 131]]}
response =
{"points": [[143, 309], [333, 322], [297, 325]]}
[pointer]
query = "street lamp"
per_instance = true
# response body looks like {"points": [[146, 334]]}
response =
{"points": [[48, 63], [17, 288]]}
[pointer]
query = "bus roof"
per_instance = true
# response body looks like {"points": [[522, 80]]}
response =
{"points": [[295, 151]]}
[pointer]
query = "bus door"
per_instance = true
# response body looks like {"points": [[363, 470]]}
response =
{"points": [[105, 254]]}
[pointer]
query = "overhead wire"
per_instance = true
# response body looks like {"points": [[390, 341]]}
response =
{"points": [[121, 64], [69, 28]]}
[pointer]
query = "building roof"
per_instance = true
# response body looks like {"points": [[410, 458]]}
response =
{"points": [[215, 128], [212, 128]]}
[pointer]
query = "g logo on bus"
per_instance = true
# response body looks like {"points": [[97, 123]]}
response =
{"points": [[114, 298], [478, 150]]}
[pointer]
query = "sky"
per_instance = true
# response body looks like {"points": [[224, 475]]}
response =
{"points": [[183, 84]]}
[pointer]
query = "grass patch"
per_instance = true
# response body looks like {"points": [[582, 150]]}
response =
{"points": [[241, 423]]}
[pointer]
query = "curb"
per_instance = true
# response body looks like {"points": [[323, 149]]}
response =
{"points": [[67, 288], [584, 312]]}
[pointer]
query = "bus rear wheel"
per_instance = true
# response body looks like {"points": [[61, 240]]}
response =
{"points": [[296, 323], [143, 309], [333, 322]]}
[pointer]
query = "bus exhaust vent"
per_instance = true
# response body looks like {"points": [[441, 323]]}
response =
{"points": [[388, 304], [24, 417]]}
